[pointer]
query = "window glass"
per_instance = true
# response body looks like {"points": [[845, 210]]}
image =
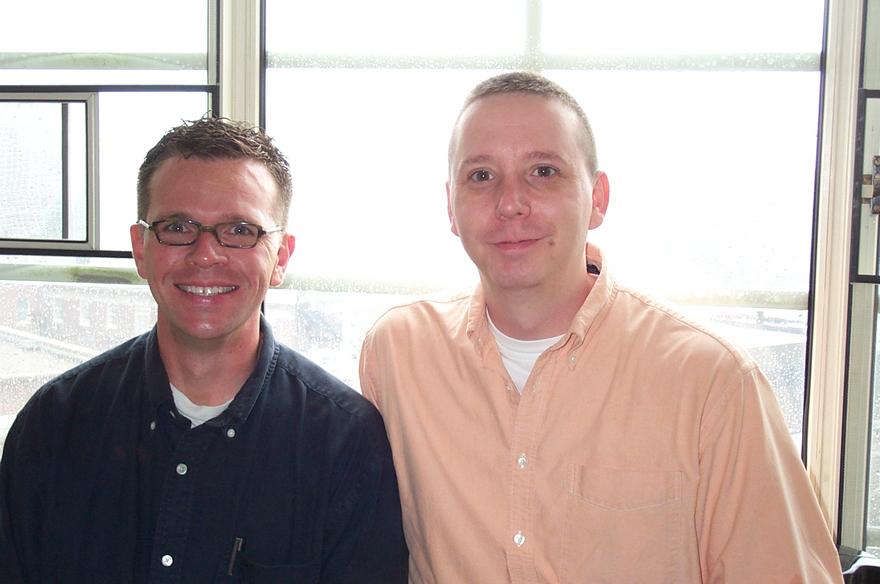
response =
{"points": [[776, 338], [873, 516], [43, 170], [868, 258], [399, 28], [44, 185], [712, 179], [712, 170], [131, 123], [59, 310], [57, 315], [129, 39], [368, 155], [688, 27], [328, 325]]}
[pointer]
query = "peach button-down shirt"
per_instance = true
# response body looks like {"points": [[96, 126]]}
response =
{"points": [[642, 449]]}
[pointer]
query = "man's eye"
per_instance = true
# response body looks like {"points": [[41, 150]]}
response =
{"points": [[243, 229], [544, 171], [481, 175], [176, 227]]}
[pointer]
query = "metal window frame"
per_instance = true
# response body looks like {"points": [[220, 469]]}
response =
{"points": [[862, 314], [45, 92], [91, 95], [90, 100]]}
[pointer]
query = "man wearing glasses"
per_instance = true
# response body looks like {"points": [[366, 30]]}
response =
{"points": [[204, 450]]}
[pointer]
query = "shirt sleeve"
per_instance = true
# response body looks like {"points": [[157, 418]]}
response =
{"points": [[365, 532], [366, 371], [20, 501], [757, 518]]}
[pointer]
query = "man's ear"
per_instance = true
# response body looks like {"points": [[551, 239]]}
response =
{"points": [[452, 224], [285, 250], [137, 234], [601, 192]]}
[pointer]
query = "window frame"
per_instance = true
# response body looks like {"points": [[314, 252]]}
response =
{"points": [[90, 100], [214, 89], [862, 315]]}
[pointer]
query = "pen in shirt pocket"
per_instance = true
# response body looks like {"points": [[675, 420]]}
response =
{"points": [[237, 546]]}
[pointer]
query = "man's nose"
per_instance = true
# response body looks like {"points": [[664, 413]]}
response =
{"points": [[513, 200], [206, 251]]}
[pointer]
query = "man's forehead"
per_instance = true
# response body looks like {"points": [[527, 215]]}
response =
{"points": [[514, 114], [499, 103]]}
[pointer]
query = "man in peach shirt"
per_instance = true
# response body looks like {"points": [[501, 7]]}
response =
{"points": [[555, 426]]}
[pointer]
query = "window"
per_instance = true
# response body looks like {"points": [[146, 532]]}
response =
{"points": [[98, 99], [862, 431], [104, 42], [708, 137], [86, 88], [44, 170]]}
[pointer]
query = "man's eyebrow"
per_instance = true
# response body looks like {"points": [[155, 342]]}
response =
{"points": [[533, 155], [543, 155], [478, 159], [177, 216]]}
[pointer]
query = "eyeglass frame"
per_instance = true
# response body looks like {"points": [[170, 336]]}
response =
{"points": [[209, 229]]}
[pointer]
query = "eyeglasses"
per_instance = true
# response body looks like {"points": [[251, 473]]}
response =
{"points": [[237, 234]]}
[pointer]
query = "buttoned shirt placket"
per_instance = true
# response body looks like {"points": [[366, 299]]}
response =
{"points": [[528, 409], [175, 507]]}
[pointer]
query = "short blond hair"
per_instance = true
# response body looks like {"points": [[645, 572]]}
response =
{"points": [[533, 84]]}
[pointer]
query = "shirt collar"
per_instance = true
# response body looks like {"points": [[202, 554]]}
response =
{"points": [[599, 297], [159, 390]]}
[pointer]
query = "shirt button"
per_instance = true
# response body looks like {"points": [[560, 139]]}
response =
{"points": [[508, 387], [230, 432], [522, 461], [167, 561], [181, 470], [152, 425], [519, 539], [572, 359]]}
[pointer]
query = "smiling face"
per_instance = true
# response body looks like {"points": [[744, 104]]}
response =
{"points": [[206, 292], [520, 196]]}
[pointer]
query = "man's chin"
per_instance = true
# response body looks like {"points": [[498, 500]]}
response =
{"points": [[203, 332], [512, 281]]}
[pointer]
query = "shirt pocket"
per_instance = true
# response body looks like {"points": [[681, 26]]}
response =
{"points": [[622, 525], [250, 572]]}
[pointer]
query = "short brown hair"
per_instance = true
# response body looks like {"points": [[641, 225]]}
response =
{"points": [[214, 138], [533, 84]]}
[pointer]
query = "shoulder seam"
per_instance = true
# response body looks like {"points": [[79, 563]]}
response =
{"points": [[745, 361]]}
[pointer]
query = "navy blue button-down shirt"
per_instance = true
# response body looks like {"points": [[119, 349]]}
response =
{"points": [[102, 480]]}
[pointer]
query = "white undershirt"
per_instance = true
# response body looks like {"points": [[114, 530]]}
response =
{"points": [[519, 356], [194, 412]]}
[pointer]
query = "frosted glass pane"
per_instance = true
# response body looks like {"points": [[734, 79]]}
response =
{"points": [[43, 171]]}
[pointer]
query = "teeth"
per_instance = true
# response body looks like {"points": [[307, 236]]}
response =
{"points": [[207, 290]]}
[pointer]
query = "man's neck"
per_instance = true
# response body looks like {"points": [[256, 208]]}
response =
{"points": [[209, 373], [537, 313]]}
